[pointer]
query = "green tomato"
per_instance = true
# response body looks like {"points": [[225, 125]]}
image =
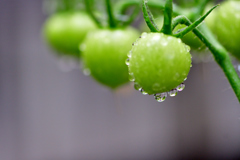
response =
{"points": [[158, 63], [226, 26], [190, 38], [105, 52], [64, 31]]}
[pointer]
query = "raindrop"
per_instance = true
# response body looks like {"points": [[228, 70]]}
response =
{"points": [[173, 93], [127, 61], [181, 87], [131, 77], [129, 54], [86, 71], [160, 97], [187, 48], [144, 34], [143, 92], [82, 47], [137, 87]]}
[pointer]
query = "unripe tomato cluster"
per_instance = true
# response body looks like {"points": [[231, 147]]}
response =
{"points": [[157, 63]]}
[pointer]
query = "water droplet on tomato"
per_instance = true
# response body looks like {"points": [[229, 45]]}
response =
{"points": [[143, 92], [173, 93], [160, 97], [144, 35], [82, 47], [238, 68], [127, 61], [137, 86], [129, 54], [181, 87], [86, 71], [131, 77], [187, 48]]}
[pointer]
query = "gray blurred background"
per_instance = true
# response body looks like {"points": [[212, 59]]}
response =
{"points": [[47, 114]]}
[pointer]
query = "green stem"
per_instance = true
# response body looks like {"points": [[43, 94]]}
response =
{"points": [[124, 5], [90, 12], [111, 19], [219, 52], [148, 17], [167, 25], [195, 24], [67, 5]]}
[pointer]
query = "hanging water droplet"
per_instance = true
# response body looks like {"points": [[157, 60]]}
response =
{"points": [[144, 35], [173, 93], [82, 47], [143, 92], [129, 54], [160, 97], [137, 87], [187, 48], [181, 87], [86, 71], [127, 61], [131, 77]]}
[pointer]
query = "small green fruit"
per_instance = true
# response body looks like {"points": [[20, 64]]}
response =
{"points": [[105, 52], [159, 63], [64, 31], [226, 26]]}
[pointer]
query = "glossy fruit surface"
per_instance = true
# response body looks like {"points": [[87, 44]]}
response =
{"points": [[227, 26], [159, 63], [64, 31], [105, 52]]}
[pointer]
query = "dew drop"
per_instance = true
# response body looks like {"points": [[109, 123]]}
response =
{"points": [[131, 77], [86, 71], [160, 97], [127, 62], [238, 68], [144, 35], [181, 87], [129, 54], [187, 48], [173, 93], [137, 87], [143, 92], [82, 47]]}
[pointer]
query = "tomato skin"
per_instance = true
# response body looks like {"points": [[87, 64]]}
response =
{"points": [[64, 31], [226, 26], [159, 63], [105, 52]]}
